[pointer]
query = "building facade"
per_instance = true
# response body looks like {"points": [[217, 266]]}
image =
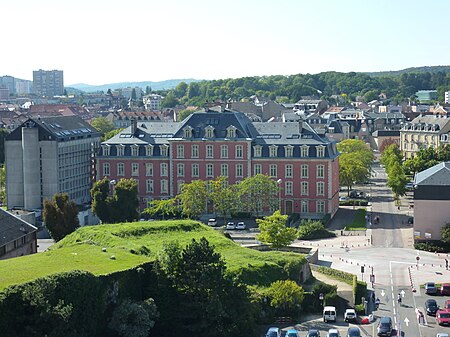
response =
{"points": [[45, 156], [163, 156], [48, 83], [422, 132]]}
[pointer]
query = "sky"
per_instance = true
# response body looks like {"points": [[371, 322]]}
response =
{"points": [[100, 42]]}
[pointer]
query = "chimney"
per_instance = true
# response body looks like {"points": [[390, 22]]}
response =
{"points": [[133, 126], [300, 126]]}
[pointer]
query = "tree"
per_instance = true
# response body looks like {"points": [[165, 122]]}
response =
{"points": [[60, 216], [357, 146], [164, 208], [286, 297], [387, 142], [101, 200], [125, 202], [371, 95], [184, 113], [193, 90], [193, 198], [223, 196], [258, 192], [445, 233], [273, 231], [397, 179], [169, 101], [3, 134], [102, 124], [180, 90], [110, 134], [390, 155]]}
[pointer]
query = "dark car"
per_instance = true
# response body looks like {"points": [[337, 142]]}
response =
{"points": [[431, 307], [353, 332], [445, 289], [430, 288], [313, 333], [385, 327]]}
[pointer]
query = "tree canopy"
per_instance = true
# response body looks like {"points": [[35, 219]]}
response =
{"points": [[273, 230], [60, 216], [102, 124]]}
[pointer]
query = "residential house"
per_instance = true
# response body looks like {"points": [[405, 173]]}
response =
{"points": [[122, 119], [164, 156]]}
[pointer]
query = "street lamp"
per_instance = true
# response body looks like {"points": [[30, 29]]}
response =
{"points": [[113, 184], [279, 181], [321, 299]]}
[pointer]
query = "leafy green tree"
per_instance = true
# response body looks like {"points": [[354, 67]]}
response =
{"points": [[101, 200], [111, 134], [397, 179], [60, 216], [193, 90], [370, 95], [184, 113], [357, 146], [223, 196], [124, 203], [133, 319], [390, 155], [102, 124], [169, 101], [258, 192], [312, 229], [164, 208], [445, 233], [193, 198], [180, 90], [273, 231], [286, 297], [3, 134]]}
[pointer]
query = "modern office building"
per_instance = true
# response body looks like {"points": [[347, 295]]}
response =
{"points": [[426, 95], [48, 83], [45, 156], [162, 156]]}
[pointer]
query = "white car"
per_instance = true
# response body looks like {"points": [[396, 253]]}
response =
{"points": [[442, 334], [231, 225], [241, 225], [212, 222], [350, 315], [333, 333]]}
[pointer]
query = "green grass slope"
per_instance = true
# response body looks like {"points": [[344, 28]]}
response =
{"points": [[135, 243]]}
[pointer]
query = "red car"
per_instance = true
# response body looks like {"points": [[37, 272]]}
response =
{"points": [[447, 305], [443, 317], [445, 289]]}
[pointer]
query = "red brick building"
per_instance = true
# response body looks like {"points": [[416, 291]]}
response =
{"points": [[162, 156]]}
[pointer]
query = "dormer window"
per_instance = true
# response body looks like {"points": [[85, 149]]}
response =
{"points": [[187, 132], [288, 151], [120, 150], [258, 150], [134, 150], [164, 150], [209, 132], [304, 151], [320, 151], [149, 150], [105, 150], [273, 151], [231, 132]]}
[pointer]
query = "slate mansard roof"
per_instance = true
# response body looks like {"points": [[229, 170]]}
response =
{"points": [[259, 133], [438, 175], [57, 128], [12, 228]]}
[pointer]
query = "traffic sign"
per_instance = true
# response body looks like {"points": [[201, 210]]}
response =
{"points": [[417, 258]]}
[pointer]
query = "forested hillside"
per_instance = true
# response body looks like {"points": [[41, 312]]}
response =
{"points": [[326, 85]]}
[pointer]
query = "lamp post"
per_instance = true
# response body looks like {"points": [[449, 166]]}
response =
{"points": [[321, 299], [113, 184], [279, 181]]}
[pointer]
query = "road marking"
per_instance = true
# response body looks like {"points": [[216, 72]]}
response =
{"points": [[403, 293], [382, 292], [406, 321]]}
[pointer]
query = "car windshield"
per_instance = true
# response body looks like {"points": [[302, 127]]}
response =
{"points": [[333, 334], [272, 334], [445, 315], [430, 285], [291, 334]]}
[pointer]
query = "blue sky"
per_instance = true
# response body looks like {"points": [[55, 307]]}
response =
{"points": [[100, 41]]}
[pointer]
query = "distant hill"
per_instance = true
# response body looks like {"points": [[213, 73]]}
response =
{"points": [[162, 85], [431, 69]]}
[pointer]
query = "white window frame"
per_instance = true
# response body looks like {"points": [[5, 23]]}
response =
{"points": [[288, 188], [304, 171], [257, 169], [164, 186], [149, 169], [195, 170], [273, 151], [239, 170], [106, 169], [149, 186], [304, 188], [209, 151], [304, 151], [258, 151], [320, 188], [180, 151], [209, 170], [194, 151], [288, 171], [135, 169], [164, 170], [134, 151], [320, 171], [120, 169], [273, 170], [289, 151], [224, 151], [224, 170], [180, 170], [239, 151]]}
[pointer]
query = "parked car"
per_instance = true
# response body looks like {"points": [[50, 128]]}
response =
{"points": [[442, 334], [292, 333], [445, 289], [241, 225], [313, 333], [230, 225], [350, 315], [384, 327], [273, 332], [329, 314], [344, 198], [212, 222], [353, 332], [443, 317], [431, 307], [446, 305], [430, 288], [333, 333], [356, 194], [409, 186]]}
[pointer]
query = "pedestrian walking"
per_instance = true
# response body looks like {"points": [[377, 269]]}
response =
{"points": [[446, 264]]}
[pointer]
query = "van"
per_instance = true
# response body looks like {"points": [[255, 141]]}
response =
{"points": [[329, 314]]}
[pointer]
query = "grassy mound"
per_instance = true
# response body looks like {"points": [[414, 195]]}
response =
{"points": [[135, 243]]}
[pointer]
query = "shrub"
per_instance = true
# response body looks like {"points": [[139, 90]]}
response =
{"points": [[433, 246], [310, 230], [285, 297], [337, 274], [353, 202]]}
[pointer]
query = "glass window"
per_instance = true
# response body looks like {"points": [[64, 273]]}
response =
{"points": [[304, 151], [180, 184], [304, 207], [304, 171], [134, 169], [257, 169], [320, 171], [304, 188], [273, 151], [273, 170], [209, 151], [224, 170], [288, 187], [180, 151], [194, 151], [258, 150], [224, 151], [149, 169], [209, 132], [163, 168], [164, 186], [134, 151], [187, 133], [106, 170], [320, 206], [231, 132], [195, 170], [120, 150], [164, 150], [149, 150], [105, 150], [149, 186], [120, 169], [288, 171], [180, 170], [209, 170], [320, 151], [239, 151], [288, 151], [239, 170], [320, 188]]}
